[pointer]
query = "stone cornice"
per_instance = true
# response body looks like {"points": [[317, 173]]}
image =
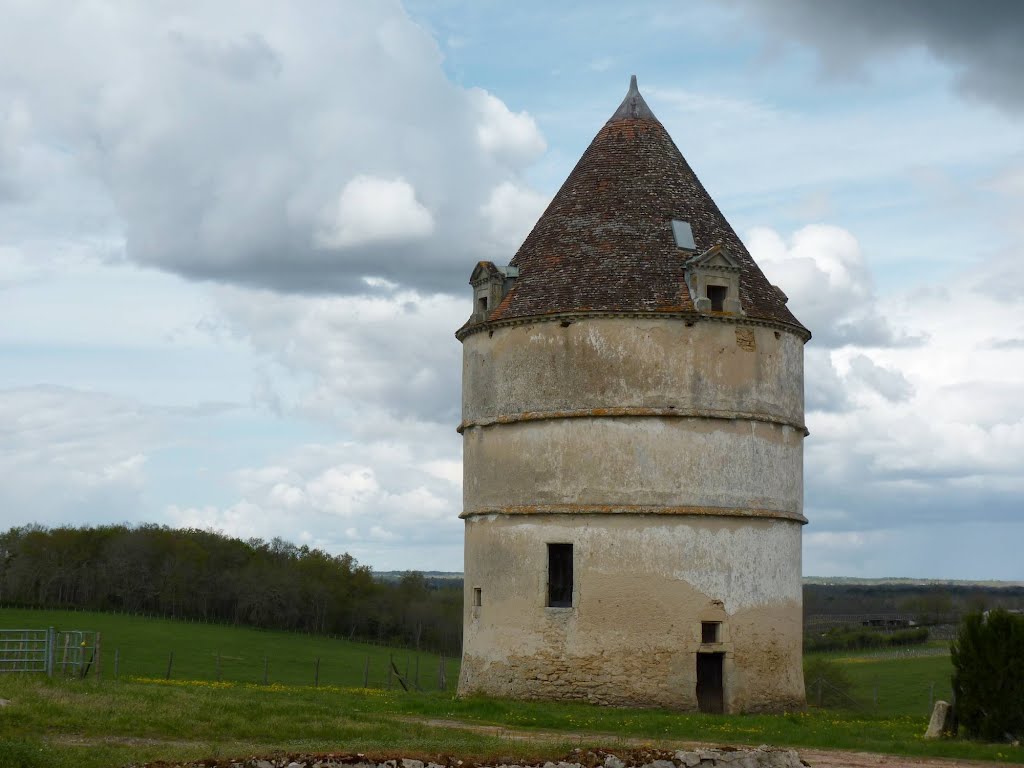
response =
{"points": [[636, 509], [632, 412], [689, 317]]}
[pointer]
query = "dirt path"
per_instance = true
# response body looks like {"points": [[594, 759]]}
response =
{"points": [[817, 758]]}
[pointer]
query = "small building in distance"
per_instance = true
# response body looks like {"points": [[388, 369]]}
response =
{"points": [[633, 426]]}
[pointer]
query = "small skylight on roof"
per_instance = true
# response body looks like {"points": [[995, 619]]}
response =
{"points": [[683, 235]]}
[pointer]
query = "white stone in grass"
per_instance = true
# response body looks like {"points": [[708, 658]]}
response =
{"points": [[940, 713]]}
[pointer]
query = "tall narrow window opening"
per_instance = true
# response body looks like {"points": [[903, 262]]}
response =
{"points": [[481, 304], [559, 575], [478, 597], [717, 294]]}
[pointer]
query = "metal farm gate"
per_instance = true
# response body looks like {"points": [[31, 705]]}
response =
{"points": [[26, 650], [70, 653]]}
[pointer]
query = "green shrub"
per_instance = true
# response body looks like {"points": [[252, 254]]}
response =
{"points": [[827, 683], [988, 675], [840, 639], [909, 636]]}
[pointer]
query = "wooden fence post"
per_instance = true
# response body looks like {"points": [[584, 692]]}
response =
{"points": [[99, 657], [117, 662], [366, 672], [219, 671], [266, 668], [391, 664], [170, 663], [316, 673]]}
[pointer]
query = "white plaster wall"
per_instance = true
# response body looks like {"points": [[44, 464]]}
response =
{"points": [[623, 362], [634, 461]]}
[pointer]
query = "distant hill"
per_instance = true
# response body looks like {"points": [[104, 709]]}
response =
{"points": [[390, 576], [908, 581], [434, 580]]}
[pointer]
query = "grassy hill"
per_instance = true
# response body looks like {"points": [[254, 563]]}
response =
{"points": [[144, 645]]}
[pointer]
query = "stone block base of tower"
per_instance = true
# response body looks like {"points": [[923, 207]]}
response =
{"points": [[644, 625]]}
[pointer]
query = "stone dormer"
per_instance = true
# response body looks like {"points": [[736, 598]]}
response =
{"points": [[713, 278], [490, 284]]}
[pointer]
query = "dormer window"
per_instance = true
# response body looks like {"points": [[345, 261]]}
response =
{"points": [[490, 285], [713, 278]]}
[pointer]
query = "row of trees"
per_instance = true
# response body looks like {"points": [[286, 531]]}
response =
{"points": [[204, 575]]}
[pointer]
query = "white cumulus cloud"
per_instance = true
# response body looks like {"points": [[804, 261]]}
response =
{"points": [[511, 211], [257, 143], [825, 275], [373, 210], [511, 137]]}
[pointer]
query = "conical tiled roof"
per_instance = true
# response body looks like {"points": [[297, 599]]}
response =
{"points": [[605, 242]]}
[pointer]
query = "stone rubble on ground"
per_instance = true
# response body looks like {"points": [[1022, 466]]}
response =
{"points": [[724, 757]]}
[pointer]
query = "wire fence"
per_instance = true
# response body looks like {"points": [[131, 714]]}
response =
{"points": [[80, 654]]}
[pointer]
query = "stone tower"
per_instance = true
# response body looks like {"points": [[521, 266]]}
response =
{"points": [[633, 425]]}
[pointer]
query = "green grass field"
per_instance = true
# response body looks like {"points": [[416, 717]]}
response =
{"points": [[144, 645], [90, 723], [889, 683]]}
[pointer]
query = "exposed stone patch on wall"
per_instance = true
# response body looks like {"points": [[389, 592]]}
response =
{"points": [[722, 757], [745, 339], [613, 679]]}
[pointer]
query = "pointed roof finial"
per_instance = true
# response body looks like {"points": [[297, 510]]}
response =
{"points": [[633, 106]]}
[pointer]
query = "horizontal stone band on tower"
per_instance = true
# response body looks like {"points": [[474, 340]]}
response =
{"points": [[627, 412], [633, 509], [490, 324]]}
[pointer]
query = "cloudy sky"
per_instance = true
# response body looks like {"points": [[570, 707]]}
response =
{"points": [[235, 239]]}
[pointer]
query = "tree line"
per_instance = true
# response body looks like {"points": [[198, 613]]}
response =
{"points": [[207, 576]]}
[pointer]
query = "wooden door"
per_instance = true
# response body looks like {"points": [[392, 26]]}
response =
{"points": [[710, 690]]}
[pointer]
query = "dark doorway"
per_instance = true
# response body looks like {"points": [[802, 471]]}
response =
{"points": [[710, 696], [717, 294]]}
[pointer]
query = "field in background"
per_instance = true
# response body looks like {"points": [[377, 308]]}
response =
{"points": [[143, 646], [889, 683]]}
